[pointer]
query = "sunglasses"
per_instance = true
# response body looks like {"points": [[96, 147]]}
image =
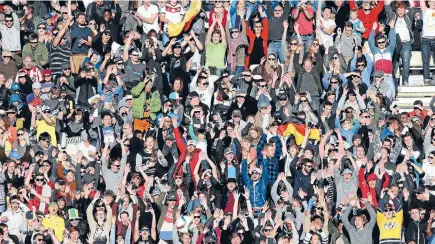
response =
{"points": [[293, 44], [116, 165], [64, 12], [92, 24], [334, 82], [262, 86], [67, 69], [9, 21], [367, 9], [272, 59], [381, 42], [41, 28], [387, 210], [196, 217], [353, 76], [349, 111], [20, 134], [315, 43], [267, 230], [335, 57], [255, 173], [39, 179], [304, 101], [361, 65], [46, 111]]}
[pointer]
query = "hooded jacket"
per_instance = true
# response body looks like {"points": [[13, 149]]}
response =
{"points": [[139, 101]]}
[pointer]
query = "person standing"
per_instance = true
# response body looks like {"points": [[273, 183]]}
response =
{"points": [[81, 40]]}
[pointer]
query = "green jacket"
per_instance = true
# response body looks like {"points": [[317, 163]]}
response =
{"points": [[38, 54], [139, 102]]}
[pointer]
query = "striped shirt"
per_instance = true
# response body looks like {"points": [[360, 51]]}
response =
{"points": [[58, 56]]}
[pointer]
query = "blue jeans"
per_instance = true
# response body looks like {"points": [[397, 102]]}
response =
{"points": [[239, 69], [427, 48], [306, 40], [275, 47], [405, 54]]}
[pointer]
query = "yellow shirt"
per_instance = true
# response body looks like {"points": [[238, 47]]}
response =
{"points": [[390, 229], [42, 126], [56, 223]]}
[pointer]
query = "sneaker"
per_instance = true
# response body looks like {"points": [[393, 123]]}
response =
{"points": [[405, 83]]}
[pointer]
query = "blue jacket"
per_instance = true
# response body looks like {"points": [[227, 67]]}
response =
{"points": [[367, 71], [386, 132], [348, 134], [258, 191]]}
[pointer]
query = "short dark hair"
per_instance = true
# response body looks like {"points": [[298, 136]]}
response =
{"points": [[44, 136]]}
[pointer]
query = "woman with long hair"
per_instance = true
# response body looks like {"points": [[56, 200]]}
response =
{"points": [[100, 223], [290, 49], [271, 70]]}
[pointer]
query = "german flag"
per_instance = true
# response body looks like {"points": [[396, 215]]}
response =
{"points": [[298, 130], [184, 25]]}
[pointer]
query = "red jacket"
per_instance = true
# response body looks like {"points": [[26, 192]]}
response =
{"points": [[251, 36], [365, 188], [183, 152], [368, 19]]}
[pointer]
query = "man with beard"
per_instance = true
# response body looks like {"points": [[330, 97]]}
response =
{"points": [[81, 40], [66, 80]]}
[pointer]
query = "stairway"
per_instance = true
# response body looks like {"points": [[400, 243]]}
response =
{"points": [[408, 94]]}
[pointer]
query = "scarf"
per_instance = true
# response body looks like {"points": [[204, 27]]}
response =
{"points": [[233, 47]]}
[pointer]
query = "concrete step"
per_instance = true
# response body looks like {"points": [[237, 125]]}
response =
{"points": [[416, 89]]}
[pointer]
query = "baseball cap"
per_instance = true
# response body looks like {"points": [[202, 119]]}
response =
{"points": [[228, 151], [236, 112], [36, 85], [174, 96]]}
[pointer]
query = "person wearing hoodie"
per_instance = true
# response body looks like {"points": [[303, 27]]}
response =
{"points": [[346, 182], [361, 231], [373, 185]]}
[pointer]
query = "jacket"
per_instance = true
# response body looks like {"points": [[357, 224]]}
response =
{"points": [[383, 60], [416, 231], [251, 36], [38, 54], [367, 19], [85, 89], [258, 190], [408, 17], [16, 220], [139, 101]]}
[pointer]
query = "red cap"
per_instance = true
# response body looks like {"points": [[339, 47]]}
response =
{"points": [[371, 177], [46, 72]]}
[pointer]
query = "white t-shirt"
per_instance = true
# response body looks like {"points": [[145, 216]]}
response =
{"points": [[174, 14], [146, 13], [326, 25], [402, 30], [429, 23], [86, 150]]}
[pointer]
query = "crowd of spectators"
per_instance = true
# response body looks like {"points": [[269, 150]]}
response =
{"points": [[225, 121]]}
